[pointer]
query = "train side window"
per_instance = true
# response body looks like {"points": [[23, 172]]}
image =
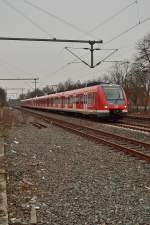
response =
{"points": [[81, 98], [66, 100], [77, 99], [90, 98], [85, 98], [58, 100], [71, 99], [74, 99]]}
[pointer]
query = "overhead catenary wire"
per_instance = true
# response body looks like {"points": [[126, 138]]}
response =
{"points": [[112, 17], [26, 17], [32, 22], [109, 41], [41, 28], [126, 31], [121, 34], [101, 23], [61, 20], [61, 68], [16, 67], [107, 20], [76, 27]]}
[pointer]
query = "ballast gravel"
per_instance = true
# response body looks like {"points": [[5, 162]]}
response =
{"points": [[73, 181], [99, 124]]}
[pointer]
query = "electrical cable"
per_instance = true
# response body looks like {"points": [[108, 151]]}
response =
{"points": [[119, 35], [16, 68], [62, 20], [26, 17], [58, 18], [122, 33], [127, 30], [113, 16], [13, 66]]}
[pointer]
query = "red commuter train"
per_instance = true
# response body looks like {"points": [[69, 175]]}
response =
{"points": [[102, 100]]}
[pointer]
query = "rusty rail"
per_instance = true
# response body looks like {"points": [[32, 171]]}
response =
{"points": [[100, 136]]}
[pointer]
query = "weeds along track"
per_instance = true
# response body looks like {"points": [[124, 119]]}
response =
{"points": [[132, 147], [6, 120]]}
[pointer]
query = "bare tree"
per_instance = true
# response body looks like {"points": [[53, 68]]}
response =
{"points": [[48, 89], [143, 62], [119, 73], [34, 93]]}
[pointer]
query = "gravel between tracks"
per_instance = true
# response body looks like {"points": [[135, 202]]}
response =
{"points": [[73, 181], [143, 136]]}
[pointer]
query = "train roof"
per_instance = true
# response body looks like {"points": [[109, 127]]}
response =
{"points": [[72, 92]]}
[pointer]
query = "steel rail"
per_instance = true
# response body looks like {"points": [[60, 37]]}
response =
{"points": [[38, 125], [132, 126], [127, 150], [138, 118], [82, 130]]}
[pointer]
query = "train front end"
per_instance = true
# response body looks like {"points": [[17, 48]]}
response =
{"points": [[115, 100]]}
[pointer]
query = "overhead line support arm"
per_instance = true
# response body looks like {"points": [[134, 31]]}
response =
{"points": [[91, 43], [50, 40]]}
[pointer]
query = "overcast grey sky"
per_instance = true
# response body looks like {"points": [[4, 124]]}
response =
{"points": [[70, 20]]}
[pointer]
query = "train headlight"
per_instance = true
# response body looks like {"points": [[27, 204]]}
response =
{"points": [[106, 106], [125, 106]]}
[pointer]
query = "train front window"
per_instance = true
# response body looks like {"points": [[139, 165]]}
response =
{"points": [[114, 95]]}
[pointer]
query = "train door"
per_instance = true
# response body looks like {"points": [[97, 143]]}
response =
{"points": [[62, 102], [85, 103], [47, 102], [74, 101]]}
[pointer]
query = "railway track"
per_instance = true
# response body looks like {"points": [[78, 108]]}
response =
{"points": [[134, 123], [38, 125], [138, 118], [132, 147], [132, 126], [129, 124]]}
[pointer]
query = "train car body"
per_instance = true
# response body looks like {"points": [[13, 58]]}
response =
{"points": [[103, 100]]}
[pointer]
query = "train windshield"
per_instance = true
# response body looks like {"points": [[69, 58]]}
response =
{"points": [[114, 94]]}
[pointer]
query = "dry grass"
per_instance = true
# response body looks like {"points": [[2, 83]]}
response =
{"points": [[9, 118], [6, 120]]}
